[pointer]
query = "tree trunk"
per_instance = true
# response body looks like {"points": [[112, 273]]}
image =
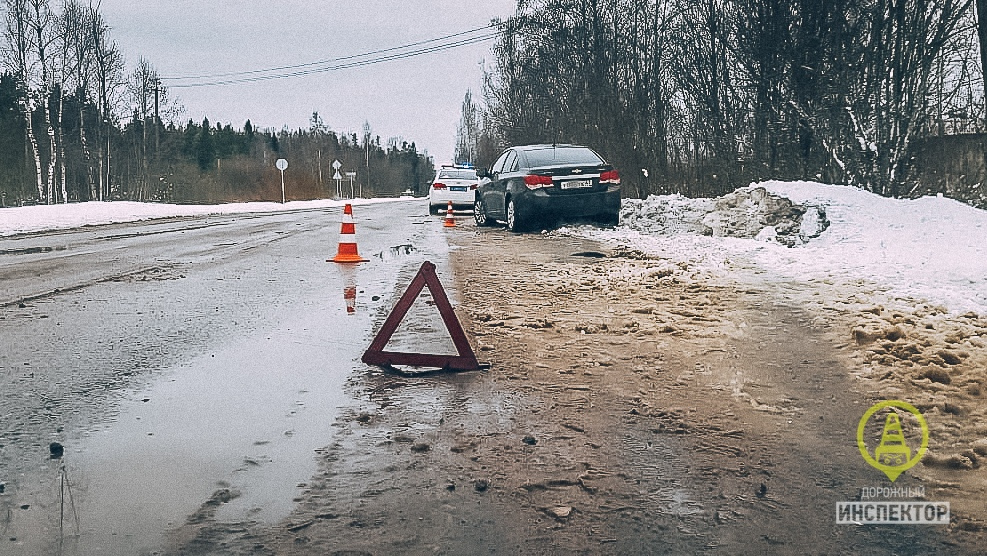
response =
{"points": [[18, 21], [982, 36], [42, 19], [61, 145], [27, 109], [84, 141]]}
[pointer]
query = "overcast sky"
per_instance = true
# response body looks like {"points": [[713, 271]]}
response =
{"points": [[417, 98]]}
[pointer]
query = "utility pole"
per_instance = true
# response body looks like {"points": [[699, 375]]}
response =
{"points": [[157, 119], [366, 144]]}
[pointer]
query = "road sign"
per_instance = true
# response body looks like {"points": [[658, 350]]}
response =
{"points": [[350, 175], [282, 165], [336, 165], [336, 176]]}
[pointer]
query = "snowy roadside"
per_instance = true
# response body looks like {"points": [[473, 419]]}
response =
{"points": [[39, 218], [931, 249], [901, 283]]}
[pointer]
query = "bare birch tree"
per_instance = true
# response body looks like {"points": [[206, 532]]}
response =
{"points": [[19, 48], [108, 80], [77, 31], [41, 24], [143, 86], [468, 133]]}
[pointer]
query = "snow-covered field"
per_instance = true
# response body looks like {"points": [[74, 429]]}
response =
{"points": [[39, 218], [932, 248]]}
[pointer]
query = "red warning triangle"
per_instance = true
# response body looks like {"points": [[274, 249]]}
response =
{"points": [[465, 361]]}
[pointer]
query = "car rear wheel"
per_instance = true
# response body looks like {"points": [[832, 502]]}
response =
{"points": [[480, 213], [514, 224]]}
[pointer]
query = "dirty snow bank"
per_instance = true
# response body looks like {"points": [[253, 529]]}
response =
{"points": [[929, 248], [18, 220], [749, 212]]}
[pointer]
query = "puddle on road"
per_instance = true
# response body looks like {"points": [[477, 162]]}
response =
{"points": [[248, 417]]}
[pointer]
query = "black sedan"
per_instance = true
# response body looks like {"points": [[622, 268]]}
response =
{"points": [[542, 184]]}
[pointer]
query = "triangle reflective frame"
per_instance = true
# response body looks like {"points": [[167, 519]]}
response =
{"points": [[465, 361]]}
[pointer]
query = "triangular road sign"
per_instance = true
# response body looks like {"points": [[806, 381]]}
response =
{"points": [[465, 361]]}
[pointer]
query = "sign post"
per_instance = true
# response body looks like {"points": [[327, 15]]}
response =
{"points": [[352, 175], [282, 165], [336, 165], [338, 179]]}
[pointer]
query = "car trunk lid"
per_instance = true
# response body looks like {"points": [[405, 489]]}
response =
{"points": [[574, 179]]}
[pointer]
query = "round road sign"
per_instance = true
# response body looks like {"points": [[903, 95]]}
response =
{"points": [[282, 164]]}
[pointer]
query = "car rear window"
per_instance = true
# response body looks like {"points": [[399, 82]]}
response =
{"points": [[457, 174], [561, 155]]}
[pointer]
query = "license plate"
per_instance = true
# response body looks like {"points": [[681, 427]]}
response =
{"points": [[457, 189], [576, 184]]}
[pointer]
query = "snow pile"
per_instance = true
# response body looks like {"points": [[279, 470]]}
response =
{"points": [[929, 248], [38, 218], [932, 248], [750, 212]]}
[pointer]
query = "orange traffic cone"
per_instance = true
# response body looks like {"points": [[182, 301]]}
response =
{"points": [[450, 220], [347, 252]]}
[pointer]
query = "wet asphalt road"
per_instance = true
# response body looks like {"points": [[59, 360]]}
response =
{"points": [[179, 357]]}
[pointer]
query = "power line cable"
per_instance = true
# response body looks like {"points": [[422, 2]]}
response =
{"points": [[330, 60], [335, 64], [336, 67]]}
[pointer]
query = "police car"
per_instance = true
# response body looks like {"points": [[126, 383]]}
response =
{"points": [[453, 182]]}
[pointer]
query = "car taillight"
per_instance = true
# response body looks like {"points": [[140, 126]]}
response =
{"points": [[438, 185], [535, 182], [474, 186], [610, 177]]}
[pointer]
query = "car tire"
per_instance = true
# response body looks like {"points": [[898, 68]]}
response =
{"points": [[480, 213], [514, 224]]}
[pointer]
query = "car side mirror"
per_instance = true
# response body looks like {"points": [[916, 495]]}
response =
{"points": [[482, 173]]}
